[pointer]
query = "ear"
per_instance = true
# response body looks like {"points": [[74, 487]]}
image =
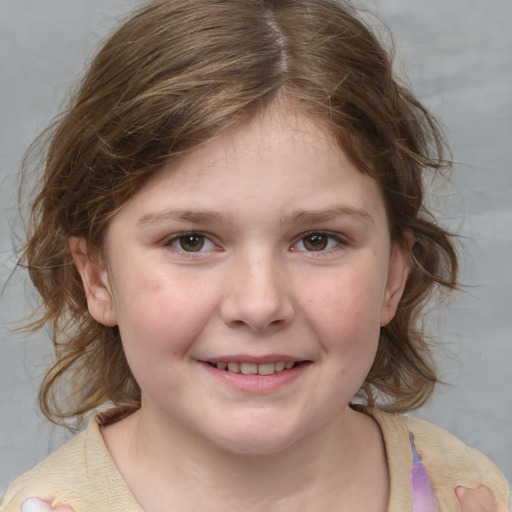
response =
{"points": [[399, 268], [95, 281]]}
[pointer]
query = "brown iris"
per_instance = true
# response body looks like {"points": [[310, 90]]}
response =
{"points": [[192, 243], [315, 242]]}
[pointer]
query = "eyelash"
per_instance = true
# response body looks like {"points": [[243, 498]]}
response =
{"points": [[175, 239], [340, 241], [328, 237]]}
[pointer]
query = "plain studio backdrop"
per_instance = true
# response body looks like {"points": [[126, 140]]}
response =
{"points": [[458, 57]]}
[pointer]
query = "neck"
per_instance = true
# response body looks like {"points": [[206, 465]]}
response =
{"points": [[325, 468]]}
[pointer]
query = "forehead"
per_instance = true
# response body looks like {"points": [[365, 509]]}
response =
{"points": [[283, 126], [282, 161]]}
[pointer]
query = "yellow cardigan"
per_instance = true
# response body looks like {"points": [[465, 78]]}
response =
{"points": [[82, 477]]}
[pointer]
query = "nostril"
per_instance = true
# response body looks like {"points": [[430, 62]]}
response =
{"points": [[258, 327], [237, 323], [256, 312]]}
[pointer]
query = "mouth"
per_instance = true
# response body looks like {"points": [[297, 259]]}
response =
{"points": [[244, 368], [262, 375]]}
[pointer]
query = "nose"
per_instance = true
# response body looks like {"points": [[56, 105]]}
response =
{"points": [[257, 294]]}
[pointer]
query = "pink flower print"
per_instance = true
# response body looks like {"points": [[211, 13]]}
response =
{"points": [[39, 505], [423, 496]]}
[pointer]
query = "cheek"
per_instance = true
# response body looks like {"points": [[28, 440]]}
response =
{"points": [[345, 320], [162, 313], [347, 304], [345, 317]]}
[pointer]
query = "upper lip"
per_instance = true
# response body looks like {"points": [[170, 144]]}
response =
{"points": [[245, 358]]}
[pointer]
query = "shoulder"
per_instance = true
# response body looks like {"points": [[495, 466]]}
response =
{"points": [[448, 461], [48, 480], [78, 476]]}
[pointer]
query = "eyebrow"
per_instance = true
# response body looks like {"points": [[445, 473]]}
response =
{"points": [[324, 215], [300, 216], [194, 217]]}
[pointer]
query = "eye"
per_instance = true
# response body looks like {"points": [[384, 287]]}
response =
{"points": [[318, 241], [191, 242]]}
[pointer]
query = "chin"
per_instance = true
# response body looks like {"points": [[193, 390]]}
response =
{"points": [[255, 445], [256, 439]]}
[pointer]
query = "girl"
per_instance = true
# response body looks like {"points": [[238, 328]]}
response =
{"points": [[233, 252]]}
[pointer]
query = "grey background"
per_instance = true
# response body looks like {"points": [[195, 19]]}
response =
{"points": [[458, 56]]}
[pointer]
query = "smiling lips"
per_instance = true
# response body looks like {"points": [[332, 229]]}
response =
{"points": [[253, 368]]}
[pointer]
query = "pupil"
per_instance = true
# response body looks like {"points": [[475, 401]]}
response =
{"points": [[192, 243], [315, 242]]}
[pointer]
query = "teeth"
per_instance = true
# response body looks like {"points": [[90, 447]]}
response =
{"points": [[266, 368], [279, 367], [248, 368], [253, 369], [234, 367]]}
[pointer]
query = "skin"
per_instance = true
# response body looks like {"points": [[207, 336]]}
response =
{"points": [[476, 500], [255, 290]]}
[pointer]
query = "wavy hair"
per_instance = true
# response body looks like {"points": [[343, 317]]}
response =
{"points": [[174, 76]]}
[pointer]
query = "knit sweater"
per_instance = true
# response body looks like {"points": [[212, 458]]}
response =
{"points": [[425, 463]]}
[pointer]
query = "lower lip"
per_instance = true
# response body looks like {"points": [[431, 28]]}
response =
{"points": [[255, 383]]}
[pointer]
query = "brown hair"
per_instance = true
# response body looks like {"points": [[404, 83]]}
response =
{"points": [[181, 72]]}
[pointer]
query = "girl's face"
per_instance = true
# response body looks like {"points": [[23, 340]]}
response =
{"points": [[264, 250]]}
